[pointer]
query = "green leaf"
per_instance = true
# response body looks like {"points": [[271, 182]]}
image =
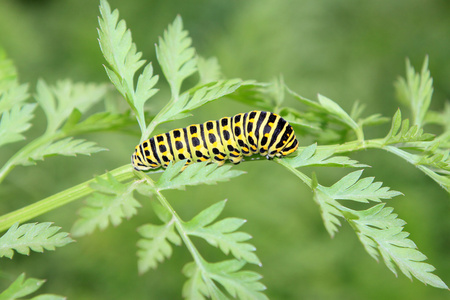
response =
{"points": [[14, 113], [194, 174], [154, 247], [49, 297], [276, 91], [211, 91], [22, 287], [124, 61], [8, 73], [330, 209], [416, 91], [307, 121], [223, 233], [335, 110], [208, 70], [238, 284], [176, 56], [195, 287], [66, 147], [206, 216], [436, 160], [311, 156], [144, 88], [112, 202], [60, 100], [32, 236], [373, 120], [102, 121], [161, 212], [14, 122], [305, 101], [254, 94], [118, 49], [15, 95], [328, 110], [400, 132], [197, 97], [351, 187], [381, 233]]}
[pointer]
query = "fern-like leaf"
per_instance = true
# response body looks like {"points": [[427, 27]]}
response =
{"points": [[60, 100], [351, 187], [33, 236], [11, 93], [199, 96], [238, 284], [112, 202], [381, 233], [14, 113], [8, 72], [416, 91], [311, 156], [326, 109], [254, 94], [195, 288], [155, 246], [194, 174], [401, 132], [208, 70], [22, 287], [118, 49], [66, 147], [337, 112], [124, 61], [176, 56], [101, 121], [330, 211], [14, 122], [13, 96], [223, 233]]}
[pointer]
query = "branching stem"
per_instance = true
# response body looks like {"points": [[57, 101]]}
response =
{"points": [[179, 224]]}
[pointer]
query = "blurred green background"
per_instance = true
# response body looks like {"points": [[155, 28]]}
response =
{"points": [[346, 50]]}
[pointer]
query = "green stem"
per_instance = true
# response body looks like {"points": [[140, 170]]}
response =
{"points": [[179, 224], [62, 198], [355, 146], [296, 172], [159, 118]]}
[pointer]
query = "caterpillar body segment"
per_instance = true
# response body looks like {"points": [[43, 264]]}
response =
{"points": [[232, 138]]}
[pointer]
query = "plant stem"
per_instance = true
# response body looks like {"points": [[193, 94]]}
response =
{"points": [[296, 172], [50, 203], [179, 224], [182, 231], [355, 146]]}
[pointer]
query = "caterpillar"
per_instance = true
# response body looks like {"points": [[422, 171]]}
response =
{"points": [[232, 138]]}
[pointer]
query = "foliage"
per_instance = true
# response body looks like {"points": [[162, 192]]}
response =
{"points": [[36, 237], [116, 195], [22, 287]]}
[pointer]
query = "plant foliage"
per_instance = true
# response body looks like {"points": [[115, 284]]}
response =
{"points": [[114, 196], [35, 237], [22, 287]]}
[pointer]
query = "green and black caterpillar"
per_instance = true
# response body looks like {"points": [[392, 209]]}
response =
{"points": [[232, 138]]}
